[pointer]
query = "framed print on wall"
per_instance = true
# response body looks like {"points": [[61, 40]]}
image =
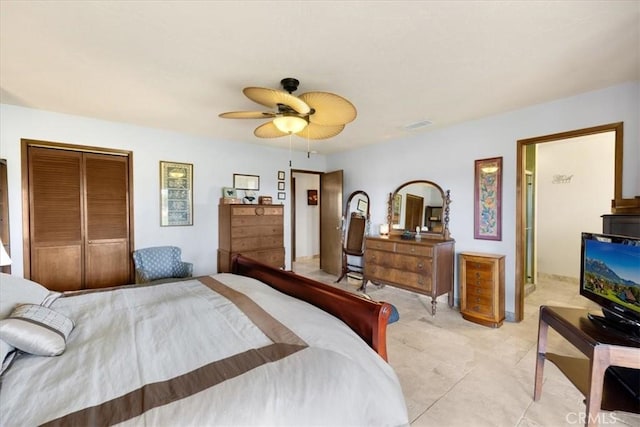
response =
{"points": [[487, 206], [176, 193], [280, 175], [312, 197], [246, 182]]}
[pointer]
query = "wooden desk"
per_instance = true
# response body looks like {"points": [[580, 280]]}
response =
{"points": [[602, 349]]}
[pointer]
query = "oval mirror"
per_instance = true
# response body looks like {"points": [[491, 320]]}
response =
{"points": [[355, 227], [419, 206]]}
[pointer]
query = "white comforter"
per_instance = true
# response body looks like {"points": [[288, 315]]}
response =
{"points": [[183, 354]]}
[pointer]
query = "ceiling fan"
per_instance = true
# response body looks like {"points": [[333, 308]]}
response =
{"points": [[312, 115]]}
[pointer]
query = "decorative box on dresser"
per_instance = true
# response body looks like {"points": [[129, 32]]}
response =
{"points": [[255, 231], [482, 288], [424, 266]]}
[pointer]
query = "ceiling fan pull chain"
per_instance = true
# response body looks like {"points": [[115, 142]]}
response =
{"points": [[289, 149]]}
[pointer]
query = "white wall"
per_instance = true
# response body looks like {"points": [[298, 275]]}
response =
{"points": [[562, 210], [214, 161], [446, 156], [307, 216]]}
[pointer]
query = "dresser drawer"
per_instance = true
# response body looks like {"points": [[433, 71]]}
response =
{"points": [[472, 290], [479, 266], [481, 309], [477, 278], [413, 264], [274, 257], [249, 221], [404, 248], [478, 298], [382, 245], [261, 230], [420, 282], [256, 242], [256, 211]]}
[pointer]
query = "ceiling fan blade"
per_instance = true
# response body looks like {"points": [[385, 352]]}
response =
{"points": [[315, 131], [330, 109], [271, 98], [268, 130], [246, 115]]}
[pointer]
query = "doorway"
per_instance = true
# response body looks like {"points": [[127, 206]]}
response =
{"points": [[316, 228], [526, 197]]}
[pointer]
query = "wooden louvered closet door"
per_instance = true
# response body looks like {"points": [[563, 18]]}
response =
{"points": [[79, 219]]}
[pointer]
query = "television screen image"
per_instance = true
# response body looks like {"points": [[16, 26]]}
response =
{"points": [[610, 274]]}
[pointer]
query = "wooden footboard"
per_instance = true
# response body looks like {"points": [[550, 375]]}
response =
{"points": [[367, 318]]}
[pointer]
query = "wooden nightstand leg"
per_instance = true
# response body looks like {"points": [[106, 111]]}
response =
{"points": [[543, 328]]}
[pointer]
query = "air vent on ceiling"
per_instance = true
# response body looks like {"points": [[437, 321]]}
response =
{"points": [[417, 125]]}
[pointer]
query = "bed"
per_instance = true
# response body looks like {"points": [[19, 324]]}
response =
{"points": [[259, 346]]}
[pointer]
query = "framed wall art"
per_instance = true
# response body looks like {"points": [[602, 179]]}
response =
{"points": [[176, 193], [487, 207], [280, 175], [281, 186], [282, 195], [246, 182], [312, 197]]}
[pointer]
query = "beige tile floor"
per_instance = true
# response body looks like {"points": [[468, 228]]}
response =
{"points": [[457, 373]]}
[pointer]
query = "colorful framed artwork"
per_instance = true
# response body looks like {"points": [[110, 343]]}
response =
{"points": [[312, 197], [487, 207], [176, 194]]}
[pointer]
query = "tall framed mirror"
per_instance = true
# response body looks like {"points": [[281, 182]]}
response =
{"points": [[421, 208], [355, 227]]}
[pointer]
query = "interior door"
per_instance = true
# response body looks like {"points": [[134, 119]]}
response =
{"points": [[331, 222], [56, 220], [107, 225]]}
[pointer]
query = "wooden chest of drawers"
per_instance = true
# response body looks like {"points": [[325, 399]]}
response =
{"points": [[424, 266], [256, 231], [482, 288]]}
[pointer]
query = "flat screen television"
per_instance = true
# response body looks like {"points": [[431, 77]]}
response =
{"points": [[610, 276]]}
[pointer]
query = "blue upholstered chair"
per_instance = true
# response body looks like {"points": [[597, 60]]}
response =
{"points": [[160, 263]]}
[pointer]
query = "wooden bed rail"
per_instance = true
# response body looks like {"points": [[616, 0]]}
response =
{"points": [[367, 318]]}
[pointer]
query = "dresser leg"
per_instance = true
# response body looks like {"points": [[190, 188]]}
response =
{"points": [[433, 306], [363, 287]]}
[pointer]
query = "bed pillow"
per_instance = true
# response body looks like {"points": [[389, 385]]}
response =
{"points": [[36, 330], [6, 355], [16, 290]]}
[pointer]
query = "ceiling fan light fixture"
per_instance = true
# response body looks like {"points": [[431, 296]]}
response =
{"points": [[290, 124]]}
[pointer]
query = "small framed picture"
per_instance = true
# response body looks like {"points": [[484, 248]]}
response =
{"points": [[229, 193], [282, 195], [280, 175], [312, 197], [281, 186]]}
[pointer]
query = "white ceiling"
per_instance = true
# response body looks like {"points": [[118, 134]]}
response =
{"points": [[177, 65]]}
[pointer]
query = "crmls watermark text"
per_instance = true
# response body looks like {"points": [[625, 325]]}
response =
{"points": [[599, 419]]}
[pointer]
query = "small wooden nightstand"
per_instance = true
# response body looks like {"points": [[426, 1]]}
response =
{"points": [[482, 288]]}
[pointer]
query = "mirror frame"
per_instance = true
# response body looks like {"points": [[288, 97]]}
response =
{"points": [[347, 210], [446, 201]]}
